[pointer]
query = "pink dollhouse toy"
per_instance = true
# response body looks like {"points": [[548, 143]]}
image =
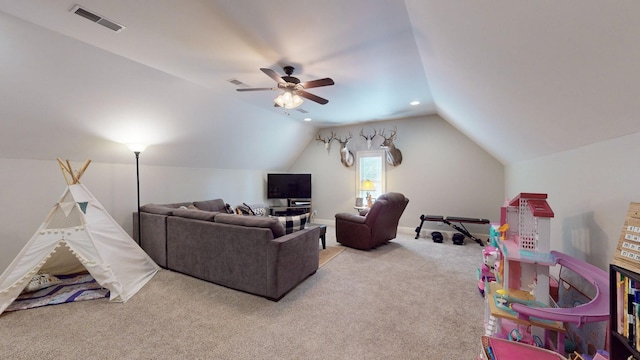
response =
{"points": [[519, 299], [527, 244], [490, 261]]}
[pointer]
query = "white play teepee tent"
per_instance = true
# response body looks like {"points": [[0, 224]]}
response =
{"points": [[79, 234]]}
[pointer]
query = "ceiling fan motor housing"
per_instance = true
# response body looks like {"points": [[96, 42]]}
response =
{"points": [[290, 79]]}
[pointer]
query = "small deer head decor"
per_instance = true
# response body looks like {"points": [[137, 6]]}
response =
{"points": [[326, 140], [394, 155], [368, 138], [346, 156]]}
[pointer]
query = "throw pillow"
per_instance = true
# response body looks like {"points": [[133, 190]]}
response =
{"points": [[244, 209], [293, 223], [229, 209], [259, 211], [41, 281], [253, 209]]}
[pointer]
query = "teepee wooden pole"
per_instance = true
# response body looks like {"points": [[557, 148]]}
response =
{"points": [[65, 170], [82, 169], [73, 176]]}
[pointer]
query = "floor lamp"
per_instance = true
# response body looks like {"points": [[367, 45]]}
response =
{"points": [[137, 149]]}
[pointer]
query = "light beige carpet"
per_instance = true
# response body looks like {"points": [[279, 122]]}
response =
{"points": [[329, 253], [410, 300]]}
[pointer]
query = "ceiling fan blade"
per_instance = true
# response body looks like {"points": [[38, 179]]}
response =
{"points": [[272, 74], [317, 83], [312, 97], [256, 89]]}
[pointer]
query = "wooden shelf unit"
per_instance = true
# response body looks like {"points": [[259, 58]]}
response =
{"points": [[621, 347]]}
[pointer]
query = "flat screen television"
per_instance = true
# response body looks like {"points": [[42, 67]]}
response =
{"points": [[289, 186]]}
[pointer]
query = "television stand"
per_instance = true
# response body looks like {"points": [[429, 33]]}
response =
{"points": [[293, 207]]}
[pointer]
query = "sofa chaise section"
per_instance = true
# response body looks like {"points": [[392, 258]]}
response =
{"points": [[242, 257]]}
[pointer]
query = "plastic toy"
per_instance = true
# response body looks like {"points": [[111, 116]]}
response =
{"points": [[524, 243], [491, 257]]}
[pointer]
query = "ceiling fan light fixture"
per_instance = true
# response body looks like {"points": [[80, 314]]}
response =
{"points": [[288, 100], [296, 101]]}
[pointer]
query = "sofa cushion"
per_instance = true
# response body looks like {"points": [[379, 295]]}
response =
{"points": [[157, 209], [293, 223], [195, 214], [255, 221], [211, 205]]}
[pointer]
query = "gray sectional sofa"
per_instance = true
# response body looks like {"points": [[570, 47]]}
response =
{"points": [[248, 253]]}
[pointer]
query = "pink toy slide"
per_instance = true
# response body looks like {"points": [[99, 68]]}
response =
{"points": [[595, 310]]}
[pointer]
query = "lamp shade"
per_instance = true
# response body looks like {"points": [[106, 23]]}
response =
{"points": [[367, 185], [137, 147]]}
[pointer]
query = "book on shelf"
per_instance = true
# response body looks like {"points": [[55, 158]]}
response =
{"points": [[631, 296], [620, 304], [628, 309], [625, 305], [637, 323]]}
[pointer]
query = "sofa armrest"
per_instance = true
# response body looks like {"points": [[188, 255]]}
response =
{"points": [[154, 236], [353, 230], [294, 258], [157, 209]]}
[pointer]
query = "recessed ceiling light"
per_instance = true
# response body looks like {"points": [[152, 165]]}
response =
{"points": [[307, 119], [414, 103]]}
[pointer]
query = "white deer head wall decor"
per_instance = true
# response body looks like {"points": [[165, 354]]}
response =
{"points": [[394, 155], [346, 156], [368, 138], [326, 140]]}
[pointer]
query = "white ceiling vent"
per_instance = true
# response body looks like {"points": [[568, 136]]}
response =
{"points": [[78, 10], [237, 82]]}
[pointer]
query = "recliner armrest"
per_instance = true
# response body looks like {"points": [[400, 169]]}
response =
{"points": [[351, 217]]}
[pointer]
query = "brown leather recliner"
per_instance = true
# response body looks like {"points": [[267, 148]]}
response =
{"points": [[377, 227]]}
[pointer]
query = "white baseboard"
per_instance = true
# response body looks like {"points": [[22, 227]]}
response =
{"points": [[424, 232], [324, 222]]}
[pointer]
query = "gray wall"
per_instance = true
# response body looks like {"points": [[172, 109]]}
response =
{"points": [[589, 189], [442, 172]]}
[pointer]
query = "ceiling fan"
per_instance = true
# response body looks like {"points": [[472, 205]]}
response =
{"points": [[292, 88]]}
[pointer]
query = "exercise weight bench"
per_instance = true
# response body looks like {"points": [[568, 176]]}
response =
{"points": [[449, 221]]}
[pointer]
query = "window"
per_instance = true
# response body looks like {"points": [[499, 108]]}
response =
{"points": [[370, 166]]}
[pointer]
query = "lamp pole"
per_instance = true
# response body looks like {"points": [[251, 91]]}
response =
{"points": [[138, 190], [137, 149]]}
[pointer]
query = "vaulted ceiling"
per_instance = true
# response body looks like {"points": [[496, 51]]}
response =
{"points": [[523, 79]]}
